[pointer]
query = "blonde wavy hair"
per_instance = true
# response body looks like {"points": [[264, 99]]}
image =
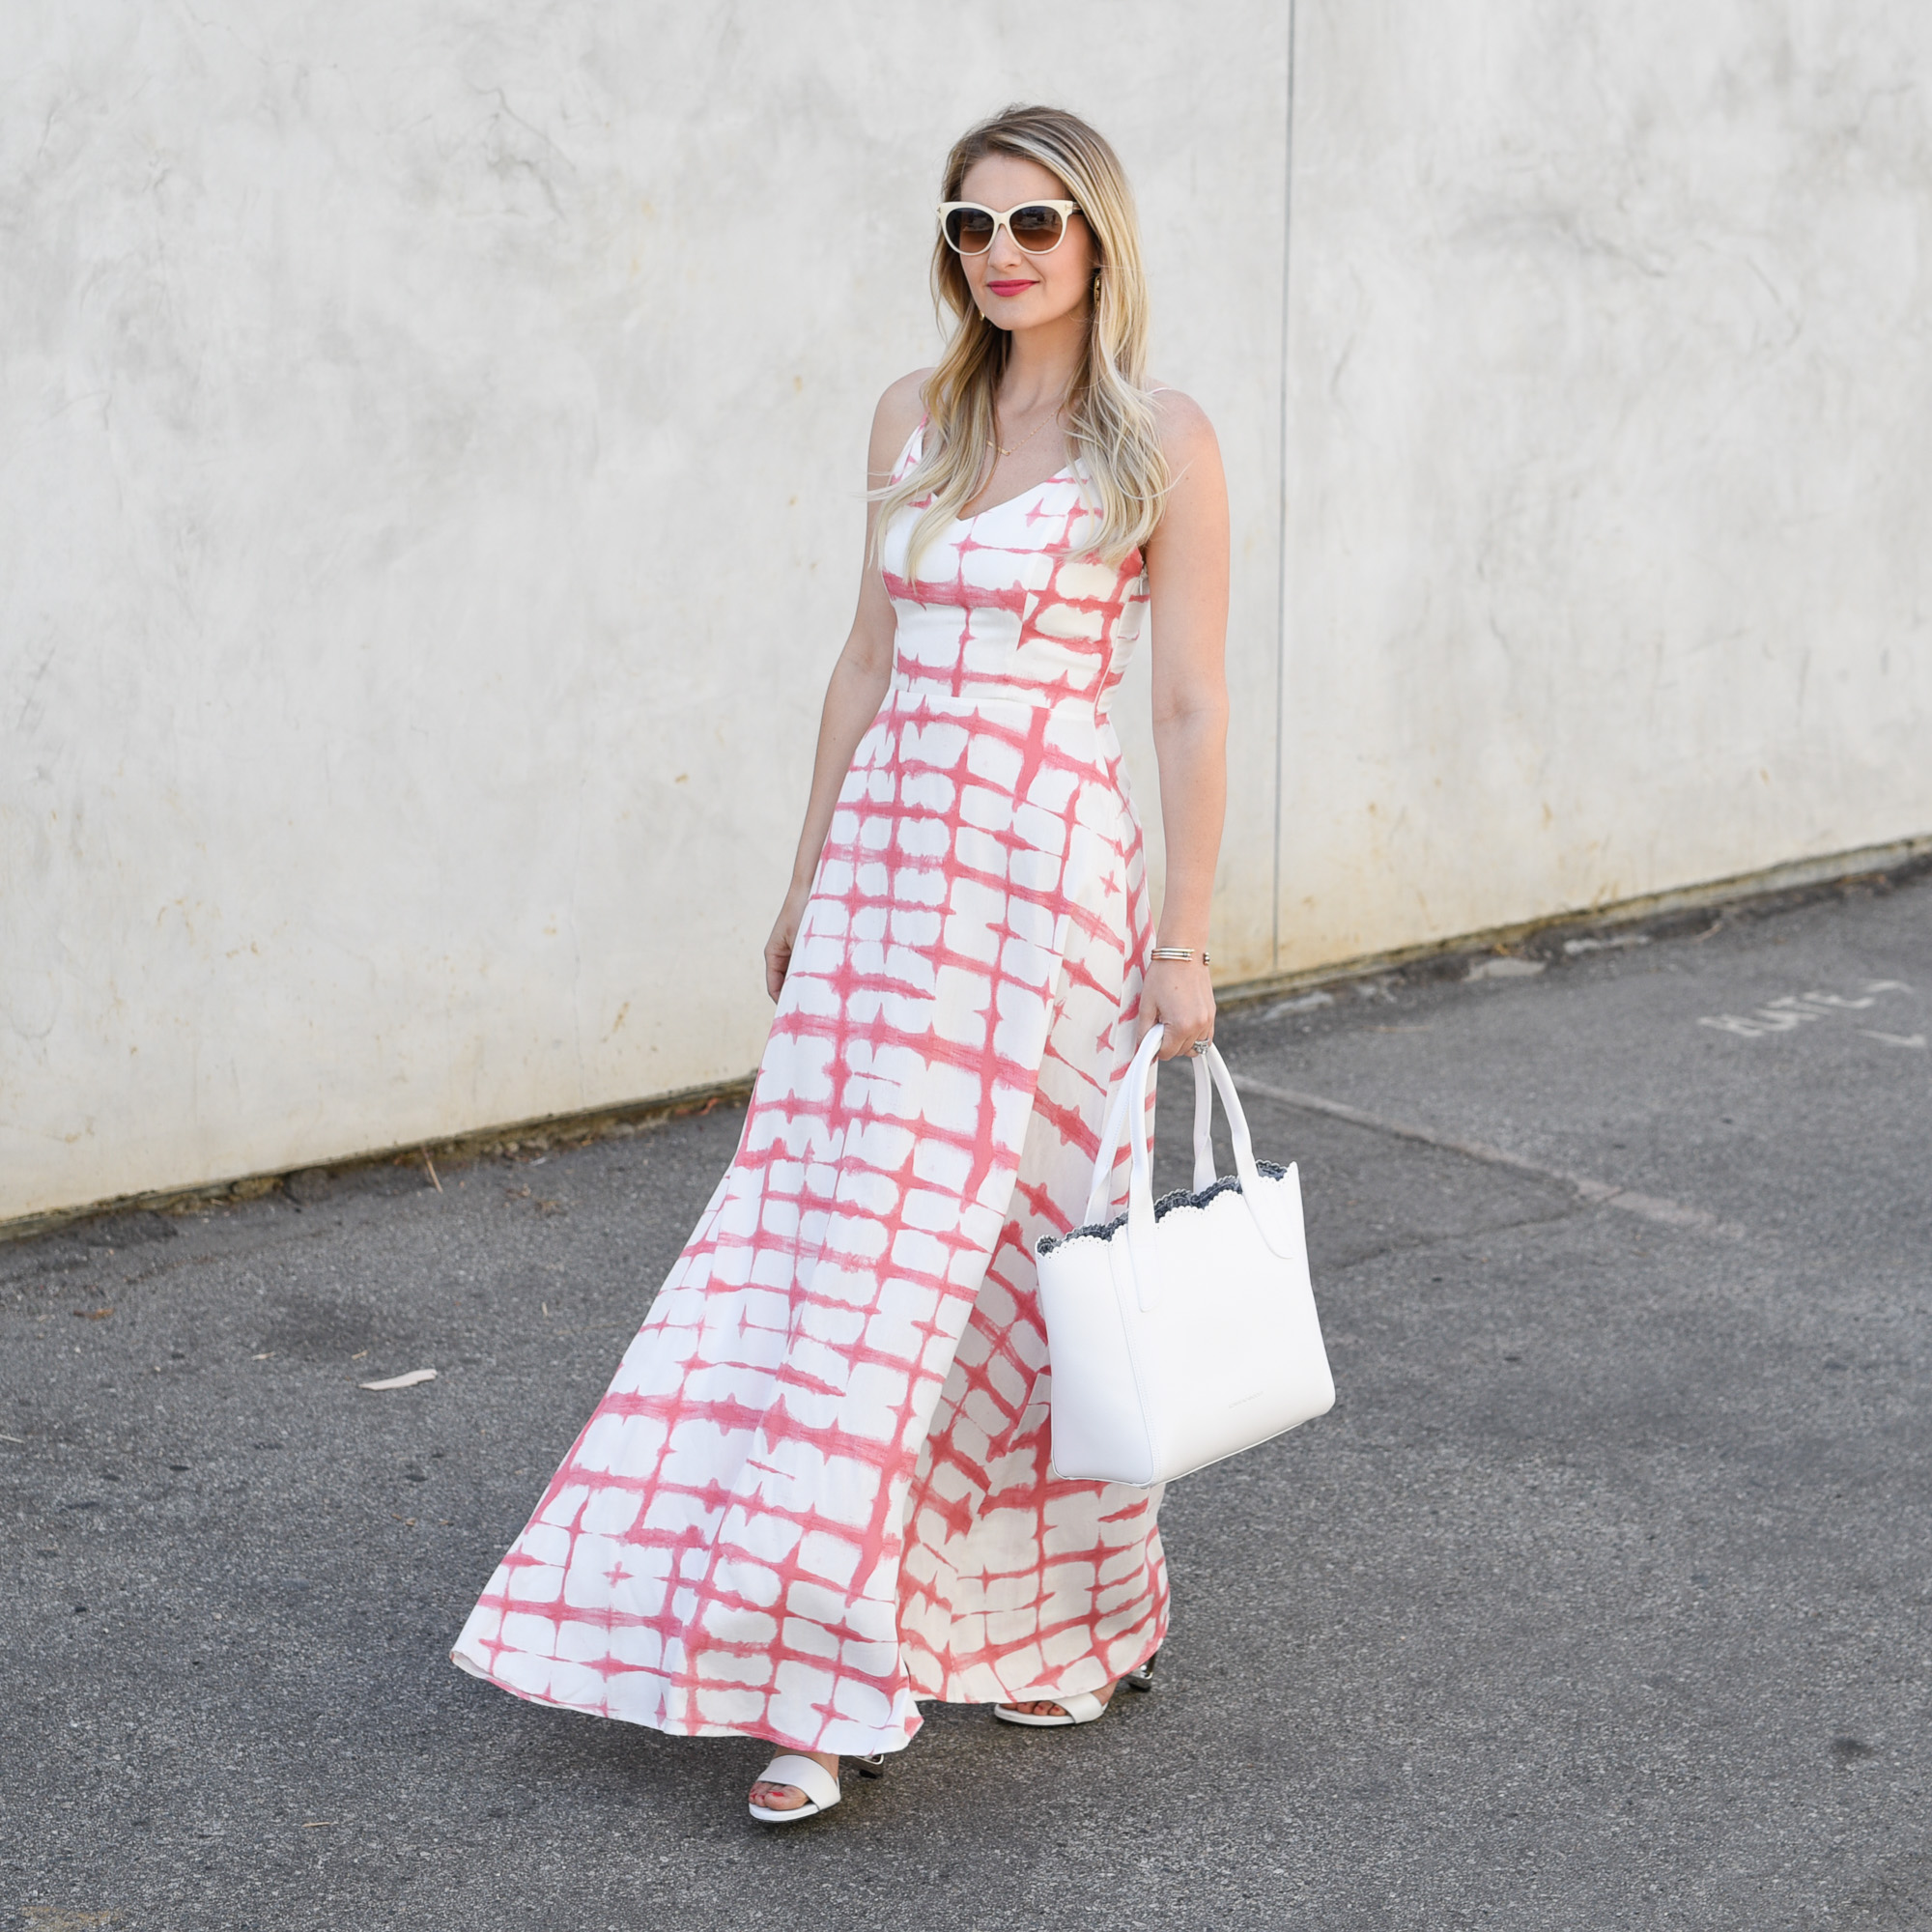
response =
{"points": [[1110, 420]]}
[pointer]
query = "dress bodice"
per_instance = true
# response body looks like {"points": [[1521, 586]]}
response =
{"points": [[1008, 605]]}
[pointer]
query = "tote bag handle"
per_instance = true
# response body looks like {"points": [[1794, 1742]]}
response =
{"points": [[1129, 1111]]}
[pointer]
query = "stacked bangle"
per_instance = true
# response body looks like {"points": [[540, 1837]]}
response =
{"points": [[1179, 953]]}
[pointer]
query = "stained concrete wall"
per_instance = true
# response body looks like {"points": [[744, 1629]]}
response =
{"points": [[430, 447], [1609, 392], [429, 455]]}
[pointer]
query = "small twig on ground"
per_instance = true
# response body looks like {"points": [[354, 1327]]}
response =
{"points": [[431, 1165]]}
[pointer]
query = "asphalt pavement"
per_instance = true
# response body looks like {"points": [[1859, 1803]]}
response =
{"points": [[1598, 1600]]}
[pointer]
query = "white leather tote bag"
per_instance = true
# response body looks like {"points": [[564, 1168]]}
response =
{"points": [[1183, 1330]]}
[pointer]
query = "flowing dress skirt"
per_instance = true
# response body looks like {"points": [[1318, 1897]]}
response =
{"points": [[818, 1489]]}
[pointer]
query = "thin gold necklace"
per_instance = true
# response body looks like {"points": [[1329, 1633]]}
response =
{"points": [[1029, 435]]}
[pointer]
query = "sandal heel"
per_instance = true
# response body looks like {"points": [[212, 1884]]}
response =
{"points": [[874, 1766], [1142, 1678]]}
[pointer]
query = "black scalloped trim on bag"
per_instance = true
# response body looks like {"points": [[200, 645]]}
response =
{"points": [[1167, 1204]]}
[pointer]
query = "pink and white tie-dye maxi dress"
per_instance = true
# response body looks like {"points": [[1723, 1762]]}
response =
{"points": [[818, 1490]]}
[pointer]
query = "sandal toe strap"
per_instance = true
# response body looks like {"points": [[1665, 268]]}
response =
{"points": [[1082, 1707], [806, 1773]]}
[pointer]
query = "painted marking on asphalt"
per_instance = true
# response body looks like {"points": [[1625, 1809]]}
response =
{"points": [[1508, 967], [1600, 1193], [1572, 947], [1791, 1010]]}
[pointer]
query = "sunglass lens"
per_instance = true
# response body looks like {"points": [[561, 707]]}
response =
{"points": [[970, 230], [1037, 229]]}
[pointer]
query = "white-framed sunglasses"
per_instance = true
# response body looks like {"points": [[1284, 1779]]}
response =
{"points": [[1038, 227]]}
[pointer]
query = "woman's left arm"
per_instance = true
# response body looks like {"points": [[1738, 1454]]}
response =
{"points": [[1188, 576]]}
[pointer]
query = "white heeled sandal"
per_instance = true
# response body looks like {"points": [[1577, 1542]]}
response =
{"points": [[1076, 1707], [820, 1788]]}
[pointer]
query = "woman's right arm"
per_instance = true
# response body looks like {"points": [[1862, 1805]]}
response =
{"points": [[858, 684]]}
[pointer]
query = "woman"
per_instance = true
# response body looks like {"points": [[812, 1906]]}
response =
{"points": [[818, 1489]]}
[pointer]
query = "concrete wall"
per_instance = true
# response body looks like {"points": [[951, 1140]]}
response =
{"points": [[430, 447], [1610, 393], [430, 444]]}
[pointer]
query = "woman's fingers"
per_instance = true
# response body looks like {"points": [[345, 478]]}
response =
{"points": [[785, 936], [1186, 1013], [1176, 1045], [777, 963]]}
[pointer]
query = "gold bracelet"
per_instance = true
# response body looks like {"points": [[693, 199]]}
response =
{"points": [[1179, 953]]}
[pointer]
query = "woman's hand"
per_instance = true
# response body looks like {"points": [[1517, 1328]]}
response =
{"points": [[1179, 995], [785, 936]]}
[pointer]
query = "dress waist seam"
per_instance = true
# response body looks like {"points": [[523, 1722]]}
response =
{"points": [[913, 696]]}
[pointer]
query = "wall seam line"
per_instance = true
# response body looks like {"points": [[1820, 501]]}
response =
{"points": [[1281, 505]]}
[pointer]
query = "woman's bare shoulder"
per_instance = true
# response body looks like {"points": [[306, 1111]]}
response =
{"points": [[895, 418], [1185, 433]]}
